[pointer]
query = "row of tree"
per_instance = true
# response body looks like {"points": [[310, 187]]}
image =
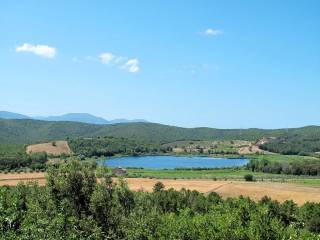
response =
{"points": [[305, 167], [109, 146], [74, 206]]}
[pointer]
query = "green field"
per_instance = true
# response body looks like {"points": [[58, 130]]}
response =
{"points": [[10, 150], [281, 158], [219, 174]]}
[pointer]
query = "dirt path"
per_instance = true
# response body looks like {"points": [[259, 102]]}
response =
{"points": [[255, 190]]}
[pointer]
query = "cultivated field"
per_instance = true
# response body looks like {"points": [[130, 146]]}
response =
{"points": [[54, 148], [255, 190]]}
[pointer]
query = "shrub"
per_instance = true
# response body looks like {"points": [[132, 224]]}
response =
{"points": [[248, 177], [159, 186]]}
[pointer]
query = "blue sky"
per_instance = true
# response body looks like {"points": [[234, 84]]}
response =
{"points": [[223, 64]]}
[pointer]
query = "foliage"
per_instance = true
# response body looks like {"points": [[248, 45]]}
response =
{"points": [[32, 131], [294, 144], [14, 157], [108, 146], [248, 177], [303, 167], [74, 206], [11, 150]]}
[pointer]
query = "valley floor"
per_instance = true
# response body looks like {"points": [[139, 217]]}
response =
{"points": [[255, 190]]}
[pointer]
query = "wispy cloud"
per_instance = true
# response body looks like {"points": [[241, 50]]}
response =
{"points": [[76, 60], [131, 65], [40, 50], [212, 32], [208, 67], [91, 58], [120, 59], [106, 58]]}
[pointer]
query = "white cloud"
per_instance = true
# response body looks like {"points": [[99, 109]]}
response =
{"points": [[106, 58], [40, 50], [212, 32], [132, 65], [129, 64]]}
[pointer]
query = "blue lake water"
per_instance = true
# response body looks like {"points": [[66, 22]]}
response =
{"points": [[171, 162]]}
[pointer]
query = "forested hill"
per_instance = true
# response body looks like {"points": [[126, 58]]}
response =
{"points": [[30, 131]]}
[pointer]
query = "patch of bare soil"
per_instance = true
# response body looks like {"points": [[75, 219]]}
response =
{"points": [[55, 148], [252, 149]]}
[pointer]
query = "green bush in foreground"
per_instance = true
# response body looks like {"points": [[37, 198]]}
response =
{"points": [[248, 177], [74, 206]]}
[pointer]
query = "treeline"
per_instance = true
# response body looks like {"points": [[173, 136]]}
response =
{"points": [[305, 167], [109, 146], [294, 145], [14, 157], [74, 206]]}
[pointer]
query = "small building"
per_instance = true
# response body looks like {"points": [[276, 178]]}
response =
{"points": [[119, 171]]}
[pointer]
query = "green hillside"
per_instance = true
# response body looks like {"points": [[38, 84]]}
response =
{"points": [[31, 131], [300, 142]]}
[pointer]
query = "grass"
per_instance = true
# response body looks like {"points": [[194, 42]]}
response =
{"points": [[218, 174], [7, 150], [311, 181], [279, 157]]}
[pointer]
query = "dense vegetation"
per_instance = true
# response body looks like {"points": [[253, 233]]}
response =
{"points": [[74, 206], [294, 144], [109, 146], [300, 167], [32, 131], [13, 157]]}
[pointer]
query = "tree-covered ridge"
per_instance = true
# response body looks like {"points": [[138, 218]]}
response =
{"points": [[109, 146], [32, 131], [74, 206], [294, 144]]}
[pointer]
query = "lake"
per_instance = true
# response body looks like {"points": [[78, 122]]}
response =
{"points": [[171, 162]]}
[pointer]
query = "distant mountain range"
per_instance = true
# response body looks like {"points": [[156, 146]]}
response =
{"points": [[70, 117], [11, 115]]}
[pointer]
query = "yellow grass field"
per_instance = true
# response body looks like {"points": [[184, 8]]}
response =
{"points": [[59, 147], [255, 190]]}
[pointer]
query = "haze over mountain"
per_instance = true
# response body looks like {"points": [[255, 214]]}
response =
{"points": [[11, 115], [75, 117], [71, 117]]}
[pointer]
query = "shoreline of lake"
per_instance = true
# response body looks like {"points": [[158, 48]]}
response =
{"points": [[173, 162]]}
